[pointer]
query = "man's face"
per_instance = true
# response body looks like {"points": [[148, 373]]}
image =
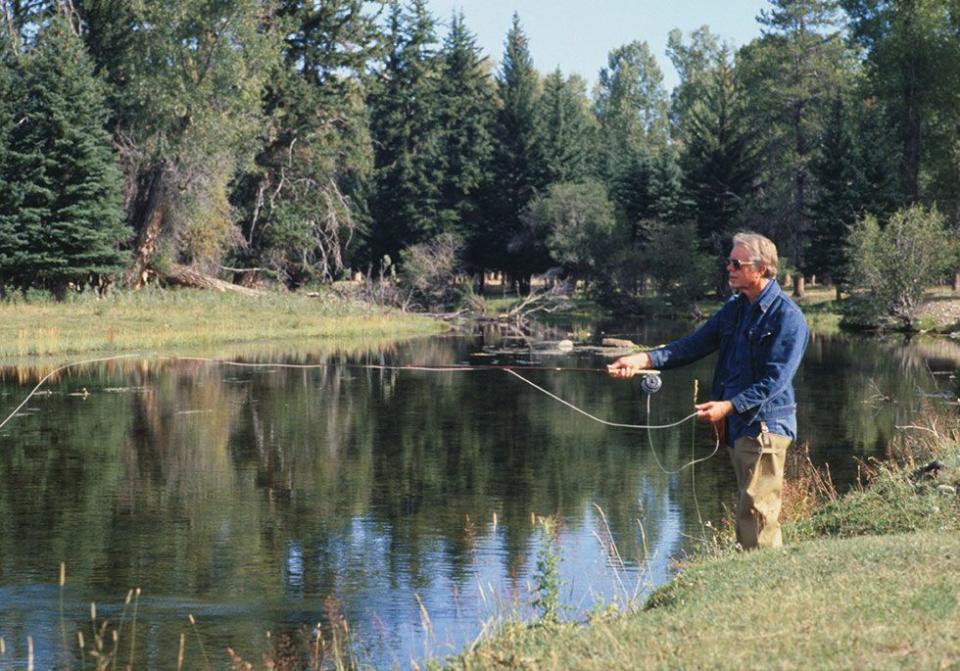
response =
{"points": [[749, 274]]}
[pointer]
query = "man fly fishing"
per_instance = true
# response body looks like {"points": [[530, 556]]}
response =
{"points": [[761, 336]]}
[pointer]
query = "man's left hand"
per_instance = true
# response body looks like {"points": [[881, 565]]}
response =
{"points": [[713, 411]]}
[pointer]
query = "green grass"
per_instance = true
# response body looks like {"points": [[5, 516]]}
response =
{"points": [[883, 602], [867, 580], [174, 319]]}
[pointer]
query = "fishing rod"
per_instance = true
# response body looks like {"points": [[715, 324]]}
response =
{"points": [[650, 381]]}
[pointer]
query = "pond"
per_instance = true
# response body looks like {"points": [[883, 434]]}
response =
{"points": [[400, 506]]}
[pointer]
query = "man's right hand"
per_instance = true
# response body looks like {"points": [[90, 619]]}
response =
{"points": [[627, 366]]}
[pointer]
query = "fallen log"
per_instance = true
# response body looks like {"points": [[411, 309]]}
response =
{"points": [[185, 276]]}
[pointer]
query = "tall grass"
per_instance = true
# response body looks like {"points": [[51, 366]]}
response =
{"points": [[164, 319]]}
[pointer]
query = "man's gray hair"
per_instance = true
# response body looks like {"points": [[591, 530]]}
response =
{"points": [[761, 249]]}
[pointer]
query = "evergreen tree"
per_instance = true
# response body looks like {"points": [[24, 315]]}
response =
{"points": [[875, 161], [517, 172], [8, 104], [465, 98], [791, 73], [629, 187], [693, 63], [666, 188], [720, 162], [913, 68], [63, 215], [837, 203], [406, 134], [567, 130]]}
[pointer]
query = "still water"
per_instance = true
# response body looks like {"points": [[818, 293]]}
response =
{"points": [[265, 501]]}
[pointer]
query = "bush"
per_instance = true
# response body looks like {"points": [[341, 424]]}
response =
{"points": [[432, 271], [676, 265], [892, 266], [579, 222]]}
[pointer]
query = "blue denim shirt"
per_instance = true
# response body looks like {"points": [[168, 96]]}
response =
{"points": [[761, 345]]}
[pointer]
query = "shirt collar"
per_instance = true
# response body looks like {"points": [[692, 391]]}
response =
{"points": [[766, 297]]}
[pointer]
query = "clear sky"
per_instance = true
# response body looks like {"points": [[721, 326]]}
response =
{"points": [[577, 35]]}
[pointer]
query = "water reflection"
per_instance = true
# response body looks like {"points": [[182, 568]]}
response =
{"points": [[267, 498]]}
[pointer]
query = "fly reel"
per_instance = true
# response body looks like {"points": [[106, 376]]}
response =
{"points": [[651, 383]]}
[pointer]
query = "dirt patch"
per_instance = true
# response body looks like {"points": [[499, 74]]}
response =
{"points": [[941, 312]]}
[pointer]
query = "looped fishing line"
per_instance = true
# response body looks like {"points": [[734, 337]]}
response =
{"points": [[54, 372], [434, 369]]}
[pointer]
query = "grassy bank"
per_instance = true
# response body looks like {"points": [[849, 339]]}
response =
{"points": [[163, 320], [867, 580]]}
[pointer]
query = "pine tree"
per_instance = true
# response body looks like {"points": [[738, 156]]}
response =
{"points": [[791, 73], [629, 185], [465, 98], [407, 139], [9, 101], [720, 161], [517, 172], [913, 70], [837, 203], [65, 208], [876, 161], [666, 188], [567, 130]]}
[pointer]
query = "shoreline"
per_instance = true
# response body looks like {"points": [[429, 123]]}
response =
{"points": [[869, 579]]}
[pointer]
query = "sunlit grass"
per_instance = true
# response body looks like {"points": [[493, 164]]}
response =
{"points": [[163, 320], [866, 580]]}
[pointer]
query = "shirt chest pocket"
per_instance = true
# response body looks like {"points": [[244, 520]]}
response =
{"points": [[760, 341]]}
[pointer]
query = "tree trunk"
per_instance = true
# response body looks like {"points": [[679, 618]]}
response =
{"points": [[799, 284], [956, 281], [147, 222], [60, 290]]}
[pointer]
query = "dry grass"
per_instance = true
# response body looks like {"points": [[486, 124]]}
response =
{"points": [[806, 487]]}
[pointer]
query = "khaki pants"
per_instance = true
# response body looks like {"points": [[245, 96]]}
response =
{"points": [[758, 463]]}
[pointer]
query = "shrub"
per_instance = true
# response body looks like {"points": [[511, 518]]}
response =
{"points": [[579, 222], [676, 265], [432, 271], [891, 266]]}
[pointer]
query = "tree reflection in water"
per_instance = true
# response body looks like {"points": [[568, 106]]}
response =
{"points": [[256, 498]]}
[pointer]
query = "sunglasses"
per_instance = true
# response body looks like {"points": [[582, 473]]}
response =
{"points": [[738, 264]]}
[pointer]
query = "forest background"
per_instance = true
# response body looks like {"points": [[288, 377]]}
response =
{"points": [[298, 142]]}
